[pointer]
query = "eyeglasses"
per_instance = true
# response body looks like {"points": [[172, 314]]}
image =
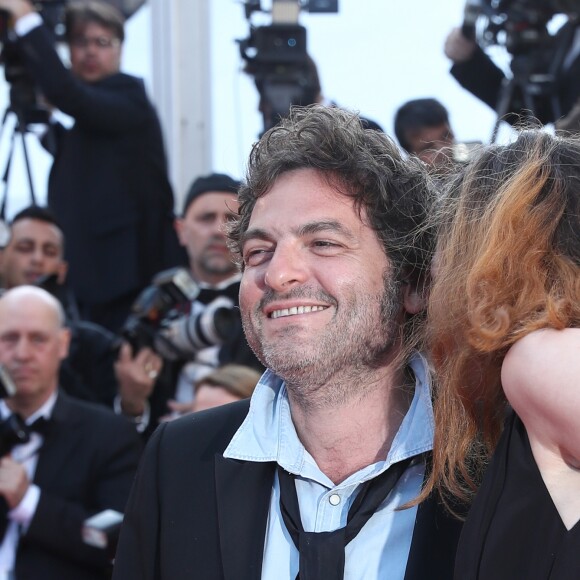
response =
{"points": [[98, 42]]}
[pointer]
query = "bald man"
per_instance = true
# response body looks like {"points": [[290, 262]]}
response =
{"points": [[79, 461]]}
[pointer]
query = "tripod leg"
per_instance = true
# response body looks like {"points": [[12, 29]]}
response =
{"points": [[27, 162], [6, 175]]}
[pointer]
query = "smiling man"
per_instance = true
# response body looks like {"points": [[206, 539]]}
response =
{"points": [[310, 480]]}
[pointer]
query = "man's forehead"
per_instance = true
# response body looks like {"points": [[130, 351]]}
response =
{"points": [[37, 230], [27, 314], [305, 196]]}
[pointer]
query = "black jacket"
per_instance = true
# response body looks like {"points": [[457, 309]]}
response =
{"points": [[108, 185], [86, 464], [194, 514]]}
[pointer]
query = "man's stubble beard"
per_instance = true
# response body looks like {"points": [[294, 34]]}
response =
{"points": [[216, 265], [357, 341]]}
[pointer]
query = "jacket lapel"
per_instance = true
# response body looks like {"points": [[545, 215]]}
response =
{"points": [[435, 537], [243, 490], [58, 444]]}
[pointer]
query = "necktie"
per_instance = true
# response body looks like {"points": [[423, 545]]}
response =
{"points": [[40, 426], [207, 295], [322, 553]]}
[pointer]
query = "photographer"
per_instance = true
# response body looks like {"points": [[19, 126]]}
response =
{"points": [[77, 459], [476, 72], [210, 203], [108, 185]]}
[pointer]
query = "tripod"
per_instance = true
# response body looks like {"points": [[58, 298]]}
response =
{"points": [[21, 129], [535, 81], [529, 89]]}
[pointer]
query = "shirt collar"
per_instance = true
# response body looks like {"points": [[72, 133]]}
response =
{"points": [[223, 284], [44, 411], [268, 434]]}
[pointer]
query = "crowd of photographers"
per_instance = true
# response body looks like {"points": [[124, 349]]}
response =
{"points": [[149, 301]]}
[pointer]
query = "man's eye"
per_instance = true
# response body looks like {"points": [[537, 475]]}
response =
{"points": [[256, 256], [207, 218], [325, 245]]}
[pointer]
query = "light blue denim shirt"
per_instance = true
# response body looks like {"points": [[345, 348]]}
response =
{"points": [[381, 548]]}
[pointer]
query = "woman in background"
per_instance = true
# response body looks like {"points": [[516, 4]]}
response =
{"points": [[225, 385], [504, 332]]}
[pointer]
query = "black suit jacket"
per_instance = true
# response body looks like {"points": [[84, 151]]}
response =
{"points": [[86, 464], [108, 185], [194, 514]]}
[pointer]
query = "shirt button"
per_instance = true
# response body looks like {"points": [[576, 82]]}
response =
{"points": [[334, 499]]}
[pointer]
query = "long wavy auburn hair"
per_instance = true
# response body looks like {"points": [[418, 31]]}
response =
{"points": [[507, 263]]}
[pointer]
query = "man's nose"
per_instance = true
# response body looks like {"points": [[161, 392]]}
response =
{"points": [[23, 349], [38, 255], [287, 268]]}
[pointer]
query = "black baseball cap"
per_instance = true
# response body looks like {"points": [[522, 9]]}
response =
{"points": [[207, 183]]}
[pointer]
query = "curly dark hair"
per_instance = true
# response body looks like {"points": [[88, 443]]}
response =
{"points": [[393, 192]]}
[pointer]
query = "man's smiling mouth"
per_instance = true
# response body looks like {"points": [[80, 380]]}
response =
{"points": [[296, 310]]}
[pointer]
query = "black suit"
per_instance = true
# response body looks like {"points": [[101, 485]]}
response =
{"points": [[194, 514], [86, 464], [108, 184]]}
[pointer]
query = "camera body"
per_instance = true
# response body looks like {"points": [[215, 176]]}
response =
{"points": [[24, 94], [169, 289], [519, 25], [277, 58], [157, 319]]}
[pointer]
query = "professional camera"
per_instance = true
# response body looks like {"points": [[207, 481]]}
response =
{"points": [[157, 322], [149, 311], [277, 58], [207, 325], [13, 431], [24, 94], [521, 26]]}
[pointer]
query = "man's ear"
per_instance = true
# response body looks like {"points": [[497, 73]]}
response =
{"points": [[61, 272], [414, 300], [64, 342], [178, 225]]}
